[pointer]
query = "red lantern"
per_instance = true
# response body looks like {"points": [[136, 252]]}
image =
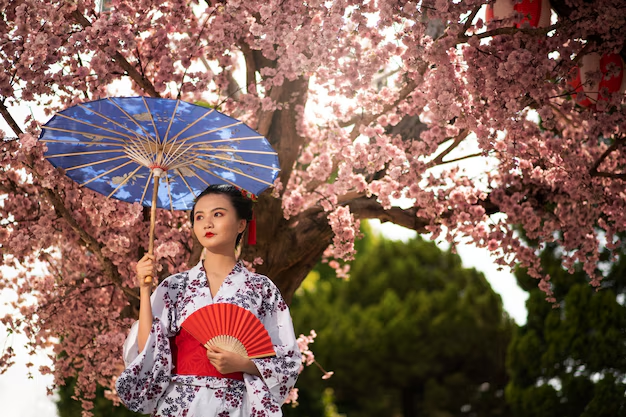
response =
{"points": [[611, 66], [535, 12]]}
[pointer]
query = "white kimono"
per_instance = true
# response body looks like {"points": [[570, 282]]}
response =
{"points": [[149, 383]]}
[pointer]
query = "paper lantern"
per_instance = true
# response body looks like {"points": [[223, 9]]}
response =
{"points": [[104, 6], [611, 66], [535, 12]]}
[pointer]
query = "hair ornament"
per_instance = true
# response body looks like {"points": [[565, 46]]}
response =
{"points": [[249, 195], [252, 222]]}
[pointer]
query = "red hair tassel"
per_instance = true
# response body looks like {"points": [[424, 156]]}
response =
{"points": [[252, 231]]}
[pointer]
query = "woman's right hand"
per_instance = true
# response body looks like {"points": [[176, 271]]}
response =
{"points": [[145, 268]]}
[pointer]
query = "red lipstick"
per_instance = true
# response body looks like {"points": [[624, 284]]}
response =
{"points": [[209, 234]]}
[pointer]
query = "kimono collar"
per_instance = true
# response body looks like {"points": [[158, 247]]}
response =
{"points": [[238, 273]]}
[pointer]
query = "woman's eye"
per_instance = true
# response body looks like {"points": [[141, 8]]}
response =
{"points": [[218, 214], [198, 217]]}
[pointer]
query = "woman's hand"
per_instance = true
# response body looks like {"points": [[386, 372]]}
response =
{"points": [[145, 268], [228, 362]]}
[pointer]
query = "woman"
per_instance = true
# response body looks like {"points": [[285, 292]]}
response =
{"points": [[168, 373]]}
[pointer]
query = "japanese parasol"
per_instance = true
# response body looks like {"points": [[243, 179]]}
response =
{"points": [[123, 146]]}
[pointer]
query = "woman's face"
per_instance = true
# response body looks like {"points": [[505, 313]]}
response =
{"points": [[216, 224]]}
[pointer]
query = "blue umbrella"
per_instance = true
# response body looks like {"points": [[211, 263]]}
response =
{"points": [[123, 146]]}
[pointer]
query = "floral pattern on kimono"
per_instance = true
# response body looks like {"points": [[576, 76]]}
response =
{"points": [[149, 384]]}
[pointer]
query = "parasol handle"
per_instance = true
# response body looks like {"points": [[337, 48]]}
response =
{"points": [[155, 192]]}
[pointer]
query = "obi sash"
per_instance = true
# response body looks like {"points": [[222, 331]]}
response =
{"points": [[189, 358]]}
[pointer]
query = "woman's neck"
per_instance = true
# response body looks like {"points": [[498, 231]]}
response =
{"points": [[219, 264]]}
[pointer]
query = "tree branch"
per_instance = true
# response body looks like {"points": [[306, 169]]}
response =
{"points": [[366, 119], [462, 158], [9, 119], [369, 208], [471, 17], [609, 175], [593, 171], [457, 140], [265, 117], [251, 68], [119, 59], [510, 31]]}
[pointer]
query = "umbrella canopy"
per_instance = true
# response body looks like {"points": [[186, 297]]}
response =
{"points": [[123, 146], [117, 146]]}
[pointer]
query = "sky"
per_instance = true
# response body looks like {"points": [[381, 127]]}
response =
{"points": [[21, 395]]}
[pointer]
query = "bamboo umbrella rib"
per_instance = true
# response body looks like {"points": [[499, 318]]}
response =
{"points": [[139, 158], [80, 132], [95, 163], [92, 125], [167, 132], [107, 172], [156, 132], [212, 173], [175, 138], [241, 173], [125, 181], [169, 193], [80, 153], [140, 146], [236, 161], [181, 160], [210, 142], [80, 142], [231, 170], [182, 163], [172, 157], [140, 150], [148, 135], [198, 176], [173, 153], [170, 152], [108, 119], [236, 172], [145, 188], [185, 140], [182, 177], [234, 151], [139, 153], [197, 135]]}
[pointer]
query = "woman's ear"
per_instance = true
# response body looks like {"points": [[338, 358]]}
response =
{"points": [[242, 225]]}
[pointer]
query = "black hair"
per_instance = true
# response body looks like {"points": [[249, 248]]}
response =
{"points": [[241, 203]]}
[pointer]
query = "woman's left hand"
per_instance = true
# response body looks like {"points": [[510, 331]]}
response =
{"points": [[226, 362]]}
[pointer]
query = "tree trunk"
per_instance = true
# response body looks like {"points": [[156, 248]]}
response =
{"points": [[289, 249]]}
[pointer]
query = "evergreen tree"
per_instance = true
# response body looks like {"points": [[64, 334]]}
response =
{"points": [[569, 360], [410, 333]]}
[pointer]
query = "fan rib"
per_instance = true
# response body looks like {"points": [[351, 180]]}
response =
{"points": [[232, 328]]}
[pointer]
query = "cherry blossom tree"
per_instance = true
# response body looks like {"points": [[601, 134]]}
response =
{"points": [[366, 102]]}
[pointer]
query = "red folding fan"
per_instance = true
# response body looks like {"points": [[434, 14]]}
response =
{"points": [[231, 328]]}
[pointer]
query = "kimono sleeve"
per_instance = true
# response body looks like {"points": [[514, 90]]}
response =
{"points": [[147, 374], [278, 373]]}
